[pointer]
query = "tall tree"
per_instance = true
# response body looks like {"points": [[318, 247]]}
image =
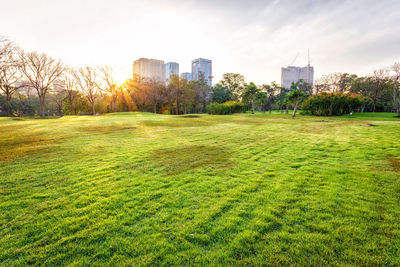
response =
{"points": [[10, 74], [380, 79], [396, 87], [6, 49], [281, 92], [267, 96], [176, 90], [334, 82], [41, 71], [235, 83], [156, 95], [221, 94], [250, 95], [87, 80], [202, 94], [296, 97], [300, 85], [70, 87], [110, 84]]}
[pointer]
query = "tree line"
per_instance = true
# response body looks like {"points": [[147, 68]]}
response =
{"points": [[33, 83]]}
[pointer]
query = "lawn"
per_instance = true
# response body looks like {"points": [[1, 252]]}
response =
{"points": [[145, 189]]}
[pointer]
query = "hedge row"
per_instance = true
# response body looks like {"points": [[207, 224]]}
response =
{"points": [[229, 107], [334, 104]]}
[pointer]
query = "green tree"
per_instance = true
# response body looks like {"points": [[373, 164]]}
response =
{"points": [[250, 95], [180, 94], [281, 92], [221, 94], [396, 87], [266, 97], [296, 97], [235, 83], [202, 94], [75, 106], [378, 87]]}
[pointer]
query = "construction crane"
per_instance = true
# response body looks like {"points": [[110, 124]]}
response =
{"points": [[308, 68], [291, 64]]}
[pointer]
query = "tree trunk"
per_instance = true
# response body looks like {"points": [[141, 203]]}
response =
{"points": [[294, 111], [374, 100], [71, 106], [287, 109], [42, 104], [252, 106], [155, 108], [114, 102], [93, 109], [8, 105]]}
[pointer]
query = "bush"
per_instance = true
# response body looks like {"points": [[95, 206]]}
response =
{"points": [[334, 104], [225, 108]]}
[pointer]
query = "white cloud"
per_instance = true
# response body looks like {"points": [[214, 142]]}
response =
{"points": [[255, 38]]}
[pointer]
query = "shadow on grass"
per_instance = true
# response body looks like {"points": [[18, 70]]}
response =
{"points": [[180, 159], [105, 129], [179, 122]]}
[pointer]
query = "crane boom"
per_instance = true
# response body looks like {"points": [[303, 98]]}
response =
{"points": [[298, 53]]}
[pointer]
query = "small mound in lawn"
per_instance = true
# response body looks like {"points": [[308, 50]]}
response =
{"points": [[178, 122], [190, 116], [395, 163]]}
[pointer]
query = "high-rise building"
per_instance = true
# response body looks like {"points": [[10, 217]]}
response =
{"points": [[149, 69], [171, 69], [202, 68], [293, 74], [186, 75]]}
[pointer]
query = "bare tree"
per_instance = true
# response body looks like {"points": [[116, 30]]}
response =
{"points": [[110, 84], [70, 86], [10, 74], [156, 94], [41, 71], [87, 80], [59, 93], [6, 48], [334, 82], [396, 88], [380, 79]]}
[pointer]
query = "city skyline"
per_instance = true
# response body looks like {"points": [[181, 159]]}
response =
{"points": [[255, 39]]}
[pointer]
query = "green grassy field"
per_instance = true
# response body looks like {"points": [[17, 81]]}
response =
{"points": [[145, 189]]}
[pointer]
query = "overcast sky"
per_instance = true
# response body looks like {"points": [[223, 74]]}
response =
{"points": [[255, 38]]}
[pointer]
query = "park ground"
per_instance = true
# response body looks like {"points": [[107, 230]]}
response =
{"points": [[146, 189]]}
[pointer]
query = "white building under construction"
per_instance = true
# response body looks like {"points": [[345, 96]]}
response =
{"points": [[293, 74]]}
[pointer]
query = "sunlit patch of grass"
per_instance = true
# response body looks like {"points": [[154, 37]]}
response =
{"points": [[146, 189], [15, 144]]}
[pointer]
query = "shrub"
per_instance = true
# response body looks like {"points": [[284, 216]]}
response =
{"points": [[333, 104], [225, 108]]}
